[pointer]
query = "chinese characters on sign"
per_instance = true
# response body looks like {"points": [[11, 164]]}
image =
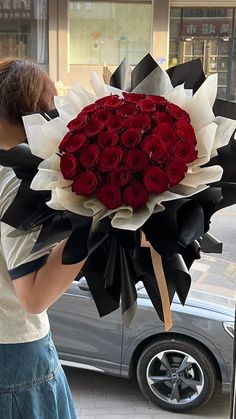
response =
{"points": [[15, 9], [204, 28]]}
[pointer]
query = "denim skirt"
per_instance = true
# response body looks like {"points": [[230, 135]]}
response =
{"points": [[32, 382]]}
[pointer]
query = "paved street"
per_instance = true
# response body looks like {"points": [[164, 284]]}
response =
{"points": [[223, 227], [104, 397]]}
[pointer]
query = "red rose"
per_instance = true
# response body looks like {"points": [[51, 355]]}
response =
{"points": [[93, 128], [79, 122], [176, 170], [176, 112], [68, 166], [102, 100], [113, 102], [127, 109], [115, 123], [131, 138], [110, 158], [110, 102], [85, 184], [159, 101], [185, 131], [72, 142], [64, 141], [165, 132], [141, 121], [135, 195], [110, 195], [155, 179], [89, 156], [121, 176], [90, 108], [107, 138], [159, 117], [146, 105], [155, 148], [136, 160], [185, 151], [133, 97], [101, 115]]}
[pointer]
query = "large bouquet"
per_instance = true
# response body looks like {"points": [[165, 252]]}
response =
{"points": [[122, 150], [146, 161]]}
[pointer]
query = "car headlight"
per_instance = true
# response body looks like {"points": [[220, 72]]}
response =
{"points": [[229, 328]]}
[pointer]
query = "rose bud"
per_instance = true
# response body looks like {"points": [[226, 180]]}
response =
{"points": [[155, 179], [68, 166], [89, 156], [176, 170], [135, 195], [85, 184], [109, 195]]}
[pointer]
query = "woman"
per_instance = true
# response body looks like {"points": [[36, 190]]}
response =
{"points": [[32, 382]]}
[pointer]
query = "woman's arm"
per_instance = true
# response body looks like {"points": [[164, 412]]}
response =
{"points": [[37, 290], [37, 284]]}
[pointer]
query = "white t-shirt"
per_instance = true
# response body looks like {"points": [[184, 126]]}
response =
{"points": [[16, 260]]}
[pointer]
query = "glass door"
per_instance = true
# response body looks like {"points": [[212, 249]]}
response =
{"points": [[217, 61], [214, 54], [194, 49]]}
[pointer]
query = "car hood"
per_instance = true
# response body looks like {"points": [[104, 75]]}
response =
{"points": [[213, 285]]}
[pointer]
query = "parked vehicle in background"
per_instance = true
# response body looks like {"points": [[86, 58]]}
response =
{"points": [[178, 369]]}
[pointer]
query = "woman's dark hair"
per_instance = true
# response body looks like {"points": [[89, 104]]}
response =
{"points": [[24, 88]]}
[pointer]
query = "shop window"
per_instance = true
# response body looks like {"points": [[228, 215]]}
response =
{"points": [[24, 29], [233, 74], [209, 12], [175, 36], [207, 34], [234, 24], [106, 32]]}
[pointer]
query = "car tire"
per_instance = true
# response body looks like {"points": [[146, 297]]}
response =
{"points": [[176, 374]]}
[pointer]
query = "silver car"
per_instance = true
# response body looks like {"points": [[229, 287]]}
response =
{"points": [[178, 369]]}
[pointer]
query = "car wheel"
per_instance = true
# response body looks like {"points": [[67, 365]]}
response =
{"points": [[176, 374]]}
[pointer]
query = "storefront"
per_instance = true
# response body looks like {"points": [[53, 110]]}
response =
{"points": [[208, 34], [71, 38], [24, 30]]}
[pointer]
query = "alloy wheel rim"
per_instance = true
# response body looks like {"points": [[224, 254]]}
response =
{"points": [[175, 377]]}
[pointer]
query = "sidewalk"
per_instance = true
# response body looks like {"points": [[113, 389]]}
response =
{"points": [[98, 396]]}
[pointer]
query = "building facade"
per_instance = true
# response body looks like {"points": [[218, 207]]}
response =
{"points": [[70, 39]]}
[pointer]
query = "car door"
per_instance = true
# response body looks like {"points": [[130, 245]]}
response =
{"points": [[78, 331]]}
